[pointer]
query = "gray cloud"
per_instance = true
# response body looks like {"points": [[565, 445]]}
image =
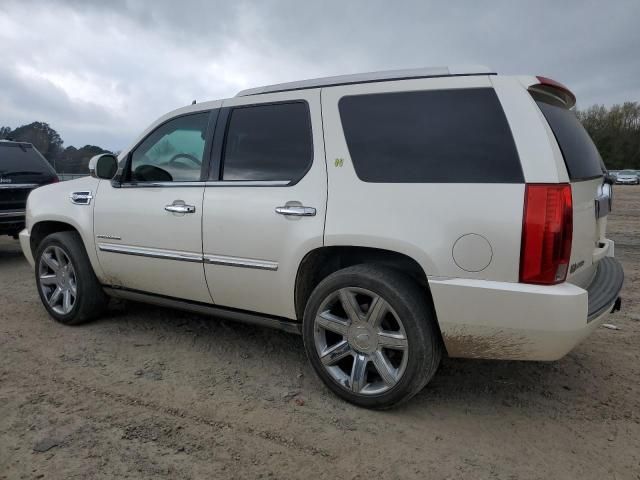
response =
{"points": [[99, 72]]}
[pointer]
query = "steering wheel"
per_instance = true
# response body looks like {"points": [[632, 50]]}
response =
{"points": [[184, 155]]}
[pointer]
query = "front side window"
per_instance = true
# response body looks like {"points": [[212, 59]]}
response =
{"points": [[268, 142], [173, 152], [431, 136]]}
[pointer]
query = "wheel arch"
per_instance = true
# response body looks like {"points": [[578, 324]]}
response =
{"points": [[323, 261], [43, 228]]}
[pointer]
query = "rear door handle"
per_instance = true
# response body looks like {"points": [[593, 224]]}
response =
{"points": [[297, 211], [178, 206]]}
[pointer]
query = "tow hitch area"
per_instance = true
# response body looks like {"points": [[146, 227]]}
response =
{"points": [[617, 305]]}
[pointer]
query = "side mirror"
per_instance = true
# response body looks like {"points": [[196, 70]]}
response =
{"points": [[103, 165]]}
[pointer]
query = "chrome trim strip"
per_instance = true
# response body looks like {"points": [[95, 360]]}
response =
{"points": [[7, 186], [251, 183], [256, 183], [162, 184], [150, 252], [12, 213], [241, 262], [186, 256]]}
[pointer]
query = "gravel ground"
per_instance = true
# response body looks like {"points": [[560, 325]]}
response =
{"points": [[154, 393]]}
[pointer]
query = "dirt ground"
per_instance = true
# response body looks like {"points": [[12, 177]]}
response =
{"points": [[154, 393]]}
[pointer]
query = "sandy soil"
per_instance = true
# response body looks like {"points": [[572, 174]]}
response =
{"points": [[154, 393]]}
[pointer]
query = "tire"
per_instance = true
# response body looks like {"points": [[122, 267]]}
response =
{"points": [[66, 250], [372, 353]]}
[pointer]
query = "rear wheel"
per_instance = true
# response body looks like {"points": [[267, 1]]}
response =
{"points": [[67, 285], [371, 336]]}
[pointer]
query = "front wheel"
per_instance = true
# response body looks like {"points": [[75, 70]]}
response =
{"points": [[371, 335], [67, 285]]}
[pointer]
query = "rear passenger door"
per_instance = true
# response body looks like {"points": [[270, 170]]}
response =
{"points": [[264, 204]]}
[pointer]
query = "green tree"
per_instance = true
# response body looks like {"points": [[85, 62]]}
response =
{"points": [[42, 136], [4, 132], [616, 133], [76, 160]]}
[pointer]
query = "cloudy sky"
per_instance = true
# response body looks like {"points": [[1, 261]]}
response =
{"points": [[99, 72]]}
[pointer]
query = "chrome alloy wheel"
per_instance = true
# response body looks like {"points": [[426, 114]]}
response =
{"points": [[57, 279], [361, 341]]}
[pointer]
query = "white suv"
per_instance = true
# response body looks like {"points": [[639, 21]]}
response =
{"points": [[386, 217]]}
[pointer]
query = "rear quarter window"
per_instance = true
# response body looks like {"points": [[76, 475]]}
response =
{"points": [[580, 154], [433, 136]]}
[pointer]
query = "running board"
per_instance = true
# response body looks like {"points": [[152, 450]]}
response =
{"points": [[242, 316]]}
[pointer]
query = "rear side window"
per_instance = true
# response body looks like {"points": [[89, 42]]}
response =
{"points": [[268, 142], [433, 136], [580, 154]]}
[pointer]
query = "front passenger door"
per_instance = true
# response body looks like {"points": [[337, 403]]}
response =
{"points": [[148, 227]]}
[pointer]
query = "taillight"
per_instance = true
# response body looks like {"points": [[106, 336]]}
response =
{"points": [[547, 230]]}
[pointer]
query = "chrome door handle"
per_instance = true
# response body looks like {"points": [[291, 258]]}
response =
{"points": [[178, 206], [296, 211]]}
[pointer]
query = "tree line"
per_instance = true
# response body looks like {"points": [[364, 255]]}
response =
{"points": [[50, 144], [616, 133], [614, 130]]}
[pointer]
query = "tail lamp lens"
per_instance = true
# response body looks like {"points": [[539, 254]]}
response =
{"points": [[547, 231]]}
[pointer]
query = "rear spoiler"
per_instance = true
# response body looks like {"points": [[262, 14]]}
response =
{"points": [[556, 89]]}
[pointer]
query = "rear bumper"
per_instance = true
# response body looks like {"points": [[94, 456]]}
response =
{"points": [[604, 288], [502, 320]]}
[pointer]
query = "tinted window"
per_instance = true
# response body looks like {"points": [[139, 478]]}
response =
{"points": [[16, 158], [268, 142], [449, 136], [580, 154], [172, 152]]}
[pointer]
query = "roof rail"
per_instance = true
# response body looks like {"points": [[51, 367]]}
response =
{"points": [[452, 71]]}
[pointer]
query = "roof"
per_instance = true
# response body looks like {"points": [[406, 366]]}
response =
{"points": [[11, 143], [427, 72]]}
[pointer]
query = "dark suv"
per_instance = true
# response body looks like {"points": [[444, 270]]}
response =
{"points": [[22, 168]]}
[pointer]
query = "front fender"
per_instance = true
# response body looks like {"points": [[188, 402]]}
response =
{"points": [[52, 203]]}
